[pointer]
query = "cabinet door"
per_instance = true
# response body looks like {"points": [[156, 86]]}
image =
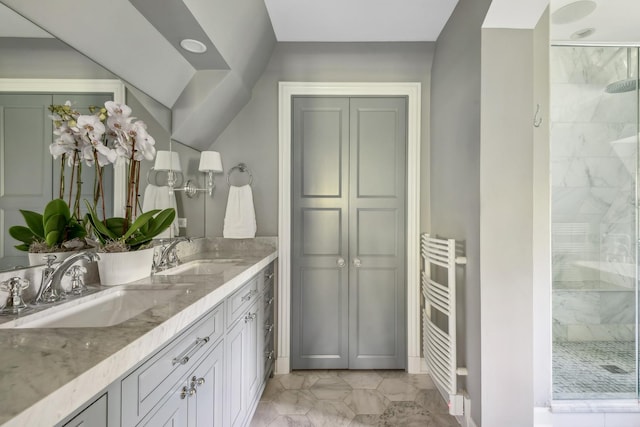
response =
{"points": [[173, 412], [94, 416], [205, 407], [235, 353], [254, 364]]}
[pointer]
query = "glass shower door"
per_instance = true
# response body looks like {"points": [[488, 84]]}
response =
{"points": [[594, 151]]}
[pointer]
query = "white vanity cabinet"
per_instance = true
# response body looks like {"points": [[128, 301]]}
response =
{"points": [[94, 415], [196, 401], [211, 375], [246, 364], [170, 370], [241, 344]]}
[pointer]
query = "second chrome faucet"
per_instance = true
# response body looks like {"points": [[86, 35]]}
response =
{"points": [[50, 286]]}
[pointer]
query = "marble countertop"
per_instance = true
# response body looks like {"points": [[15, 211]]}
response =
{"points": [[46, 374]]}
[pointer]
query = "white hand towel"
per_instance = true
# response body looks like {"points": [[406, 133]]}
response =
{"points": [[240, 217], [158, 198]]}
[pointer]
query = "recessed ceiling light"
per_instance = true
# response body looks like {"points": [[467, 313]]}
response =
{"points": [[573, 11], [580, 34], [193, 46]]}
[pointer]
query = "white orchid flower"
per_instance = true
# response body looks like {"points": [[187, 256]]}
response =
{"points": [[105, 155], [91, 127], [117, 110]]}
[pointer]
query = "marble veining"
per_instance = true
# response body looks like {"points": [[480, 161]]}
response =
{"points": [[593, 149], [47, 374], [374, 398]]}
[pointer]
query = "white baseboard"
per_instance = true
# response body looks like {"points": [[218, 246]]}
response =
{"points": [[542, 417], [416, 365], [282, 366], [466, 420]]}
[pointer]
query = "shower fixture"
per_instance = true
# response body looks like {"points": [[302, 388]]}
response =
{"points": [[627, 85]]}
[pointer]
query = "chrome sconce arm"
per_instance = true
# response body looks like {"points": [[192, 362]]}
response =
{"points": [[210, 163], [192, 191]]}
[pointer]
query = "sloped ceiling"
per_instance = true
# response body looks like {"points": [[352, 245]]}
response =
{"points": [[138, 40], [119, 37]]}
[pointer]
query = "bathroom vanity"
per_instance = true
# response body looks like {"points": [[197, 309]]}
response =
{"points": [[201, 358]]}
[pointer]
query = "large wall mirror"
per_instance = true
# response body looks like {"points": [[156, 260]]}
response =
{"points": [[37, 70]]}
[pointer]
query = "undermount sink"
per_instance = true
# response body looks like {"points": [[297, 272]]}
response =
{"points": [[106, 308], [199, 267]]}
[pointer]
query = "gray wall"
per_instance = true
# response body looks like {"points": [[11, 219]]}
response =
{"points": [[514, 222], [252, 137], [192, 209], [455, 168], [31, 58]]}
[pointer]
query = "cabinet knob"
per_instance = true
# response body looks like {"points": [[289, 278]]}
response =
{"points": [[341, 262], [195, 382], [187, 392], [357, 263]]}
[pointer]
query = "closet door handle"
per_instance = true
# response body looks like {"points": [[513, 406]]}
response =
{"points": [[357, 263], [341, 262]]}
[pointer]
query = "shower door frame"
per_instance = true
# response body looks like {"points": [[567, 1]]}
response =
{"points": [[621, 404]]}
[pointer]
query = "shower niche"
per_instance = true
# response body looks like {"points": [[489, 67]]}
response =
{"points": [[594, 171]]}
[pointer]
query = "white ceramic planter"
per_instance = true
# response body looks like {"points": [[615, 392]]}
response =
{"points": [[117, 268]]}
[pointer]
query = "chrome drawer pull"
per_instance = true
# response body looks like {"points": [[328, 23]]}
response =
{"points": [[189, 352], [250, 316], [248, 296], [269, 355], [270, 301], [268, 276], [269, 328]]}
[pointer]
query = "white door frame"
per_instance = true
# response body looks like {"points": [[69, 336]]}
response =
{"points": [[413, 92], [80, 86]]}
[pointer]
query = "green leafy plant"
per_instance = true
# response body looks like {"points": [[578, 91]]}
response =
{"points": [[117, 234], [49, 231]]}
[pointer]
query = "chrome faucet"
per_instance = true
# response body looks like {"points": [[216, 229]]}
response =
{"points": [[50, 287], [168, 257]]}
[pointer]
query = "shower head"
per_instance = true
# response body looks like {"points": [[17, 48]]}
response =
{"points": [[622, 86]]}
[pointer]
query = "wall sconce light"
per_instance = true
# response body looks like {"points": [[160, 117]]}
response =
{"points": [[210, 163], [168, 161]]}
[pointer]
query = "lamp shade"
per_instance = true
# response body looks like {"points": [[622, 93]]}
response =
{"points": [[167, 160], [210, 161]]}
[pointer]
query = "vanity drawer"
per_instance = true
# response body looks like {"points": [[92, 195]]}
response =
{"points": [[241, 300], [146, 386]]}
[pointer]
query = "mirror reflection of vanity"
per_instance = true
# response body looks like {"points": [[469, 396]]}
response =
{"points": [[33, 62]]}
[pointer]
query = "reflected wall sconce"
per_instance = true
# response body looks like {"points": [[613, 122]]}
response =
{"points": [[210, 163], [167, 161]]}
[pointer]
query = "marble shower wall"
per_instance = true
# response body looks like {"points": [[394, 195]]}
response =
{"points": [[593, 166], [593, 155]]}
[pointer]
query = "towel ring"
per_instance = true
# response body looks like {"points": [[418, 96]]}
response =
{"points": [[241, 167], [155, 177]]}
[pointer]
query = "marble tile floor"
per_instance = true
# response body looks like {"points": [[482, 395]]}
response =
{"points": [[594, 370], [352, 399]]}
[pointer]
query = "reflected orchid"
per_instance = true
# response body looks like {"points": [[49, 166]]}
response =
{"points": [[108, 135]]}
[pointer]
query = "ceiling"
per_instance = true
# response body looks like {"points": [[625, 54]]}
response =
{"points": [[358, 20], [614, 21], [204, 98]]}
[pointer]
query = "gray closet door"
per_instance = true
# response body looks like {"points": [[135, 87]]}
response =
{"points": [[320, 189], [348, 233], [25, 181], [377, 321]]}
